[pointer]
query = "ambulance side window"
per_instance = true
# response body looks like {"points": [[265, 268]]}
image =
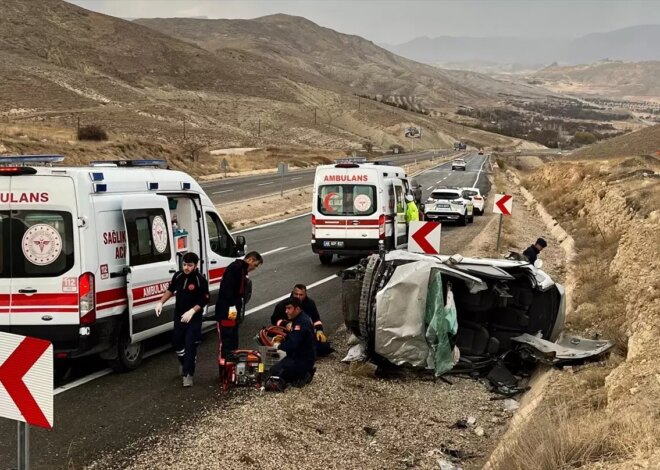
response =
{"points": [[399, 199], [142, 247], [221, 242]]}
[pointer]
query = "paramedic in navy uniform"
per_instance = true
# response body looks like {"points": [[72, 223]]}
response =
{"points": [[192, 295], [299, 346]]}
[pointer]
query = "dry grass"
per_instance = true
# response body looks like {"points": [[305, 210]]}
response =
{"points": [[572, 428]]}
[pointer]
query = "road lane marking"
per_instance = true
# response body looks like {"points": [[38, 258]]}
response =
{"points": [[286, 296], [474, 185], [223, 191], [429, 188], [298, 178], [274, 251], [264, 184]]}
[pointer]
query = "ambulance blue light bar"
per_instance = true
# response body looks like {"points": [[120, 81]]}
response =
{"points": [[153, 186], [30, 159], [185, 186], [100, 188], [96, 176]]}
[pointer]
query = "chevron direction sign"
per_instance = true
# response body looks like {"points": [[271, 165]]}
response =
{"points": [[424, 237], [26, 380], [503, 204]]}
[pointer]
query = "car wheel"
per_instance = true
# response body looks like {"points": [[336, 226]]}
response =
{"points": [[471, 220], [464, 220], [129, 355], [479, 212], [325, 259]]}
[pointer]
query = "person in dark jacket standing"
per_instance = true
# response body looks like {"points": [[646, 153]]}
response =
{"points": [[230, 299], [192, 295], [279, 318], [534, 250], [298, 365]]}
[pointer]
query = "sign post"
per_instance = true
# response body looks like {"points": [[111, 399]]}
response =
{"points": [[424, 237], [503, 205], [224, 165], [282, 169], [26, 387]]}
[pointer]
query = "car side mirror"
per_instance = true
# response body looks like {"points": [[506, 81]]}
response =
{"points": [[240, 245]]}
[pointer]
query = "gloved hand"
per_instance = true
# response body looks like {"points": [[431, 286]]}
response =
{"points": [[277, 340], [186, 317], [321, 337], [159, 309], [233, 313]]}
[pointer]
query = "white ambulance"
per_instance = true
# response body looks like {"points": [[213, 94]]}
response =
{"points": [[86, 252], [355, 205]]}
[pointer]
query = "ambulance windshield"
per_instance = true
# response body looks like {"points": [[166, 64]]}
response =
{"points": [[347, 199]]}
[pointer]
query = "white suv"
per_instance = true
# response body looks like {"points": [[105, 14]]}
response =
{"points": [[458, 164], [477, 199], [451, 204]]}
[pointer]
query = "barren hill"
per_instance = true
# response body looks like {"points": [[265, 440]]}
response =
{"points": [[346, 59], [615, 79], [273, 81], [643, 142]]}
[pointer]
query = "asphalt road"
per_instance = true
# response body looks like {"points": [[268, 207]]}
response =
{"points": [[113, 411], [245, 187]]}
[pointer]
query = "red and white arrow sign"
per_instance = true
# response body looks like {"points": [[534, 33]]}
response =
{"points": [[424, 237], [26, 379], [503, 204]]}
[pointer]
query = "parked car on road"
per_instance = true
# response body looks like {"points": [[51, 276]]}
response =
{"points": [[477, 199], [451, 204], [458, 164]]}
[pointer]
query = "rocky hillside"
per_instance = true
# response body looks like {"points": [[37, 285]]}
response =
{"points": [[277, 80]]}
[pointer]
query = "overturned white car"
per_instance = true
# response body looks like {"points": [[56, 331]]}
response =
{"points": [[421, 310]]}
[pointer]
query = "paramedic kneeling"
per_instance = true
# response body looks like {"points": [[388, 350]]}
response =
{"points": [[192, 295], [298, 365]]}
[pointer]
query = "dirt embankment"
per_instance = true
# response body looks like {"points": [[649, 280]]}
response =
{"points": [[605, 415]]}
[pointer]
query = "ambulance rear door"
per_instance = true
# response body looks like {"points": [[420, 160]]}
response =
{"points": [[45, 267], [151, 260]]}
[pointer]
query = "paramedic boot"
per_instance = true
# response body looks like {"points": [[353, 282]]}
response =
{"points": [[187, 381]]}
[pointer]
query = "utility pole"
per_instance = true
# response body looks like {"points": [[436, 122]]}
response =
{"points": [[259, 130], [184, 128], [314, 116]]}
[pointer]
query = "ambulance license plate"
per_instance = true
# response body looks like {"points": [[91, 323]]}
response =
{"points": [[333, 244]]}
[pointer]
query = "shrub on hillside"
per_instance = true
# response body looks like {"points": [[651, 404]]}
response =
{"points": [[92, 132]]}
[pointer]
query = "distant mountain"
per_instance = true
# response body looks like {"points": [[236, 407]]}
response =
{"points": [[635, 43], [502, 50], [615, 79]]}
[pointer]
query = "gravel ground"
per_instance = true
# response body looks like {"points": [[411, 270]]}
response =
{"points": [[342, 420]]}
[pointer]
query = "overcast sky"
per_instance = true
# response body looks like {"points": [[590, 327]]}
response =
{"points": [[397, 21]]}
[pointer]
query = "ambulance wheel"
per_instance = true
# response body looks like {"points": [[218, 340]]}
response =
{"points": [[129, 355], [325, 259]]}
